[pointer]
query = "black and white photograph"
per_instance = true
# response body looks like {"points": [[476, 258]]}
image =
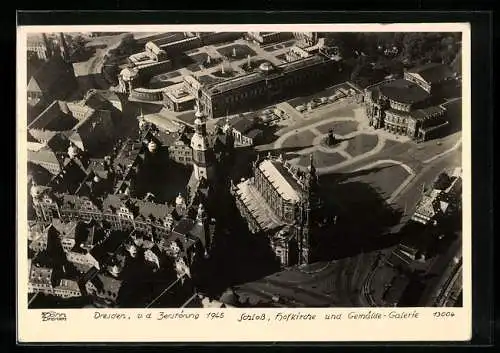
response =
{"points": [[243, 170]]}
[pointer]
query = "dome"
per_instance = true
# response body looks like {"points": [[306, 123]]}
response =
{"points": [[152, 146], [97, 179], [179, 200], [266, 66], [72, 151], [198, 121]]}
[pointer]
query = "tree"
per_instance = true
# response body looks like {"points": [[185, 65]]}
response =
{"points": [[442, 181]]}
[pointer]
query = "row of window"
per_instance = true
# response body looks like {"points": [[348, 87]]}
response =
{"points": [[296, 78]]}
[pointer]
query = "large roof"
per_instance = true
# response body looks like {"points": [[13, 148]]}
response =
{"points": [[422, 114], [257, 206], [43, 155], [433, 72], [252, 78], [40, 275], [54, 72], [404, 91], [283, 183], [56, 117]]}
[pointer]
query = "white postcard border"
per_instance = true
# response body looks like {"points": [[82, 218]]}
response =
{"points": [[81, 326]]}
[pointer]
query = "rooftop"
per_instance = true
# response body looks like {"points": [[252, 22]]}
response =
{"points": [[162, 122], [403, 91], [257, 206], [53, 72], [282, 181], [422, 114], [252, 78], [433, 72], [40, 275], [56, 117]]}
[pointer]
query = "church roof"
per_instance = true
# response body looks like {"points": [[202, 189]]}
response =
{"points": [[283, 184], [257, 206]]}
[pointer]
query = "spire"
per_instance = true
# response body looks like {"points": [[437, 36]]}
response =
{"points": [[198, 112], [311, 168], [201, 215]]}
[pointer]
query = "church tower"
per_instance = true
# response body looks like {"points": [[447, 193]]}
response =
{"points": [[202, 221], [203, 158], [311, 208]]}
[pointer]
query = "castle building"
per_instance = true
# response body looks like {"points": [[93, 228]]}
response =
{"points": [[284, 204]]}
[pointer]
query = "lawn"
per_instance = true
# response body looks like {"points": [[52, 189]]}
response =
{"points": [[361, 144], [207, 79], [236, 52], [302, 139], [339, 127], [254, 65], [321, 159], [228, 73]]}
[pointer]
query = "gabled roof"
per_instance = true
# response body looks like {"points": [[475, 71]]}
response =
{"points": [[283, 183], [53, 72], [43, 155], [41, 275]]}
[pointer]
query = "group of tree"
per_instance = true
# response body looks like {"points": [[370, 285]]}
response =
{"points": [[373, 56]]}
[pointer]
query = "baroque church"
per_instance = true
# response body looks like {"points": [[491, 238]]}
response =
{"points": [[284, 203]]}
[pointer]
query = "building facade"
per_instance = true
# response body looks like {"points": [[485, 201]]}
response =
{"points": [[269, 84], [263, 38]]}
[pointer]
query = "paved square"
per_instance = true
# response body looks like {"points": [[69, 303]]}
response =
{"points": [[361, 144], [339, 127], [321, 159]]}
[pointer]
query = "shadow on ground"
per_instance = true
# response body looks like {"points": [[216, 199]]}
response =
{"points": [[364, 218]]}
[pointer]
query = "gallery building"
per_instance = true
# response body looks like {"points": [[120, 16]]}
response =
{"points": [[268, 84]]}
